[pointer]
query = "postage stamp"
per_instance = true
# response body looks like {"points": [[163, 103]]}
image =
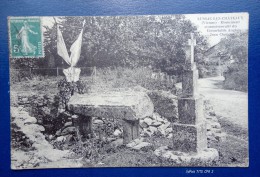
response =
{"points": [[25, 37]]}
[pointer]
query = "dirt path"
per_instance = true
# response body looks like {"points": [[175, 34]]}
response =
{"points": [[228, 104]]}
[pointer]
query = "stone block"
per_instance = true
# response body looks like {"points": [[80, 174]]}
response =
{"points": [[189, 138], [190, 110], [130, 130], [120, 105], [189, 82]]}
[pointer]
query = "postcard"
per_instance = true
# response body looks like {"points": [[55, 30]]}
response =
{"points": [[129, 91]]}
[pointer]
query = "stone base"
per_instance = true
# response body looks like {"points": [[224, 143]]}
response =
{"points": [[203, 158], [189, 138]]}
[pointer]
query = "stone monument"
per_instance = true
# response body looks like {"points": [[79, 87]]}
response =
{"points": [[189, 132], [126, 106]]}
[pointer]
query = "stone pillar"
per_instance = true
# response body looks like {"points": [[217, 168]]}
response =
{"points": [[84, 125], [130, 130], [189, 132]]}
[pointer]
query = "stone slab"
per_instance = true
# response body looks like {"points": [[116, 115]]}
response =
{"points": [[189, 138], [125, 105], [190, 110]]}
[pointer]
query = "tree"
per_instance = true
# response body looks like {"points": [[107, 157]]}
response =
{"points": [[128, 41]]}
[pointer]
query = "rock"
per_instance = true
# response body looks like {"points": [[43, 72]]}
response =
{"points": [[98, 121], [68, 130], [215, 125], [143, 124], [208, 127], [68, 124], [117, 132], [216, 130], [134, 142], [118, 142], [212, 113], [165, 126], [147, 133], [161, 150], [221, 136], [50, 137], [209, 133], [170, 135], [148, 121], [46, 110], [152, 130], [142, 146], [61, 139], [162, 131], [156, 124], [30, 120], [168, 130], [33, 128], [110, 139], [157, 117], [58, 133], [74, 116]]}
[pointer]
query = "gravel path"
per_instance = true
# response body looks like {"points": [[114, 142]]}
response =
{"points": [[228, 104]]}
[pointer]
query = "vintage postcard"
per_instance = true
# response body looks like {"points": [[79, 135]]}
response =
{"points": [[129, 91]]}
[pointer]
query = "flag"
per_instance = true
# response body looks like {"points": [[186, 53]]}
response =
{"points": [[75, 50], [61, 47], [71, 73]]}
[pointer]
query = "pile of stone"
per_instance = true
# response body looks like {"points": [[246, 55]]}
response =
{"points": [[214, 132], [42, 151], [155, 125]]}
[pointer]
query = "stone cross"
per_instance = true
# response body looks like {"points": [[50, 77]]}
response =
{"points": [[192, 44]]}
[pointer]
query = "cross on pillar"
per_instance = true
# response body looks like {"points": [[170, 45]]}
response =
{"points": [[192, 44]]}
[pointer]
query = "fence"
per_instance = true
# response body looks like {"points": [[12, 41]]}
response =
{"points": [[20, 74], [29, 73], [161, 76]]}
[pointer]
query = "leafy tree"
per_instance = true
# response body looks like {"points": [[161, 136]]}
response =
{"points": [[128, 41]]}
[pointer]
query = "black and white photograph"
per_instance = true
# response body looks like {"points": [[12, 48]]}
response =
{"points": [[129, 91]]}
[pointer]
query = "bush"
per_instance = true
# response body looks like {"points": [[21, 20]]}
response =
{"points": [[236, 78], [127, 77]]}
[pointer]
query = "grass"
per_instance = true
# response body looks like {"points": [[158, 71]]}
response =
{"points": [[233, 151]]}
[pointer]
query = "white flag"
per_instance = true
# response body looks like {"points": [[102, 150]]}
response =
{"points": [[75, 50], [61, 47], [71, 73]]}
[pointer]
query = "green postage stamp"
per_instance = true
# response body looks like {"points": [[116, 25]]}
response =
{"points": [[25, 37]]}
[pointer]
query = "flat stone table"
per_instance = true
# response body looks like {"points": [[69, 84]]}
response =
{"points": [[126, 105]]}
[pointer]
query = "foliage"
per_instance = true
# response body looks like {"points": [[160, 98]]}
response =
{"points": [[67, 89], [120, 77], [127, 41], [236, 75]]}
